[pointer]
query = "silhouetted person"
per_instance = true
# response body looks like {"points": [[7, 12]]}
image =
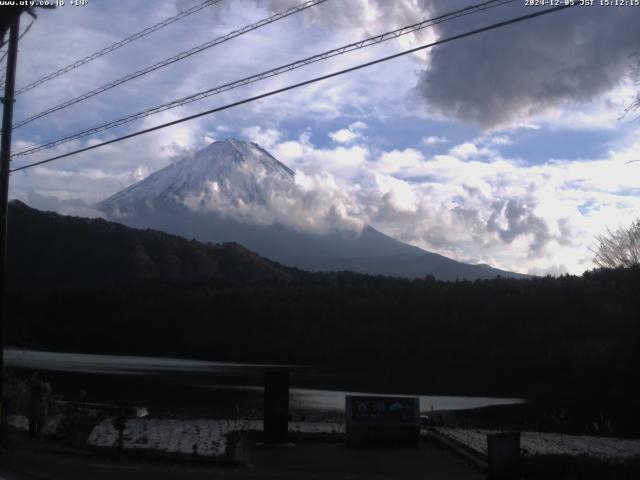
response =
{"points": [[38, 405]]}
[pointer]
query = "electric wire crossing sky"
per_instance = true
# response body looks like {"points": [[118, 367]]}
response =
{"points": [[279, 70]]}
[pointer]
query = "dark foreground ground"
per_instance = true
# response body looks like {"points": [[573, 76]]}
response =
{"points": [[310, 458], [304, 461]]}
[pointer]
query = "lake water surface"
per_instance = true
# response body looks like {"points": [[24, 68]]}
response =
{"points": [[194, 386]]}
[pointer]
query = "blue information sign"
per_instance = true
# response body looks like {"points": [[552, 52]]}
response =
{"points": [[383, 409], [382, 420]]}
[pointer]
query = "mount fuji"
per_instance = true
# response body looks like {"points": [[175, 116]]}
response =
{"points": [[236, 191]]}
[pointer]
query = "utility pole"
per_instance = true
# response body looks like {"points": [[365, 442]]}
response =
{"points": [[5, 158]]}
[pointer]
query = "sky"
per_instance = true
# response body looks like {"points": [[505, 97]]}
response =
{"points": [[510, 148]]}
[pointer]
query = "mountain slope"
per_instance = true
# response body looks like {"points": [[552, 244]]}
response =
{"points": [[407, 266], [227, 192]]}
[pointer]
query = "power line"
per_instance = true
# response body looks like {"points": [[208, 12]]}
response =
{"points": [[121, 43], [267, 74], [301, 84], [173, 59], [24, 32]]}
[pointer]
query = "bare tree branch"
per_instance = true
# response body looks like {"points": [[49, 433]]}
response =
{"points": [[620, 248]]}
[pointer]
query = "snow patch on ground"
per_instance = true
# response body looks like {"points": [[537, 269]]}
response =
{"points": [[538, 443], [20, 422]]}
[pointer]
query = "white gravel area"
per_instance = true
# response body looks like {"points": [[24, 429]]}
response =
{"points": [[203, 437], [538, 443], [208, 437]]}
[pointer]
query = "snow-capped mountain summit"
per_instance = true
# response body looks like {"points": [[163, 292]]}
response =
{"points": [[229, 169], [236, 191]]}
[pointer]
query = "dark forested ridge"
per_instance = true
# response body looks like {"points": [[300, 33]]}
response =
{"points": [[46, 249], [573, 339]]}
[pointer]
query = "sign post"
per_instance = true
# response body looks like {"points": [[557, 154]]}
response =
{"points": [[503, 451], [5, 158], [276, 407]]}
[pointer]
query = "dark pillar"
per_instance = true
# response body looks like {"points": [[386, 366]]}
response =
{"points": [[276, 407]]}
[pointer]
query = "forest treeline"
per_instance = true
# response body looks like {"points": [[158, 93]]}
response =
{"points": [[573, 339], [503, 336]]}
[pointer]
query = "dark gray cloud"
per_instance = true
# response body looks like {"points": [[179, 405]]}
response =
{"points": [[513, 218], [506, 75]]}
